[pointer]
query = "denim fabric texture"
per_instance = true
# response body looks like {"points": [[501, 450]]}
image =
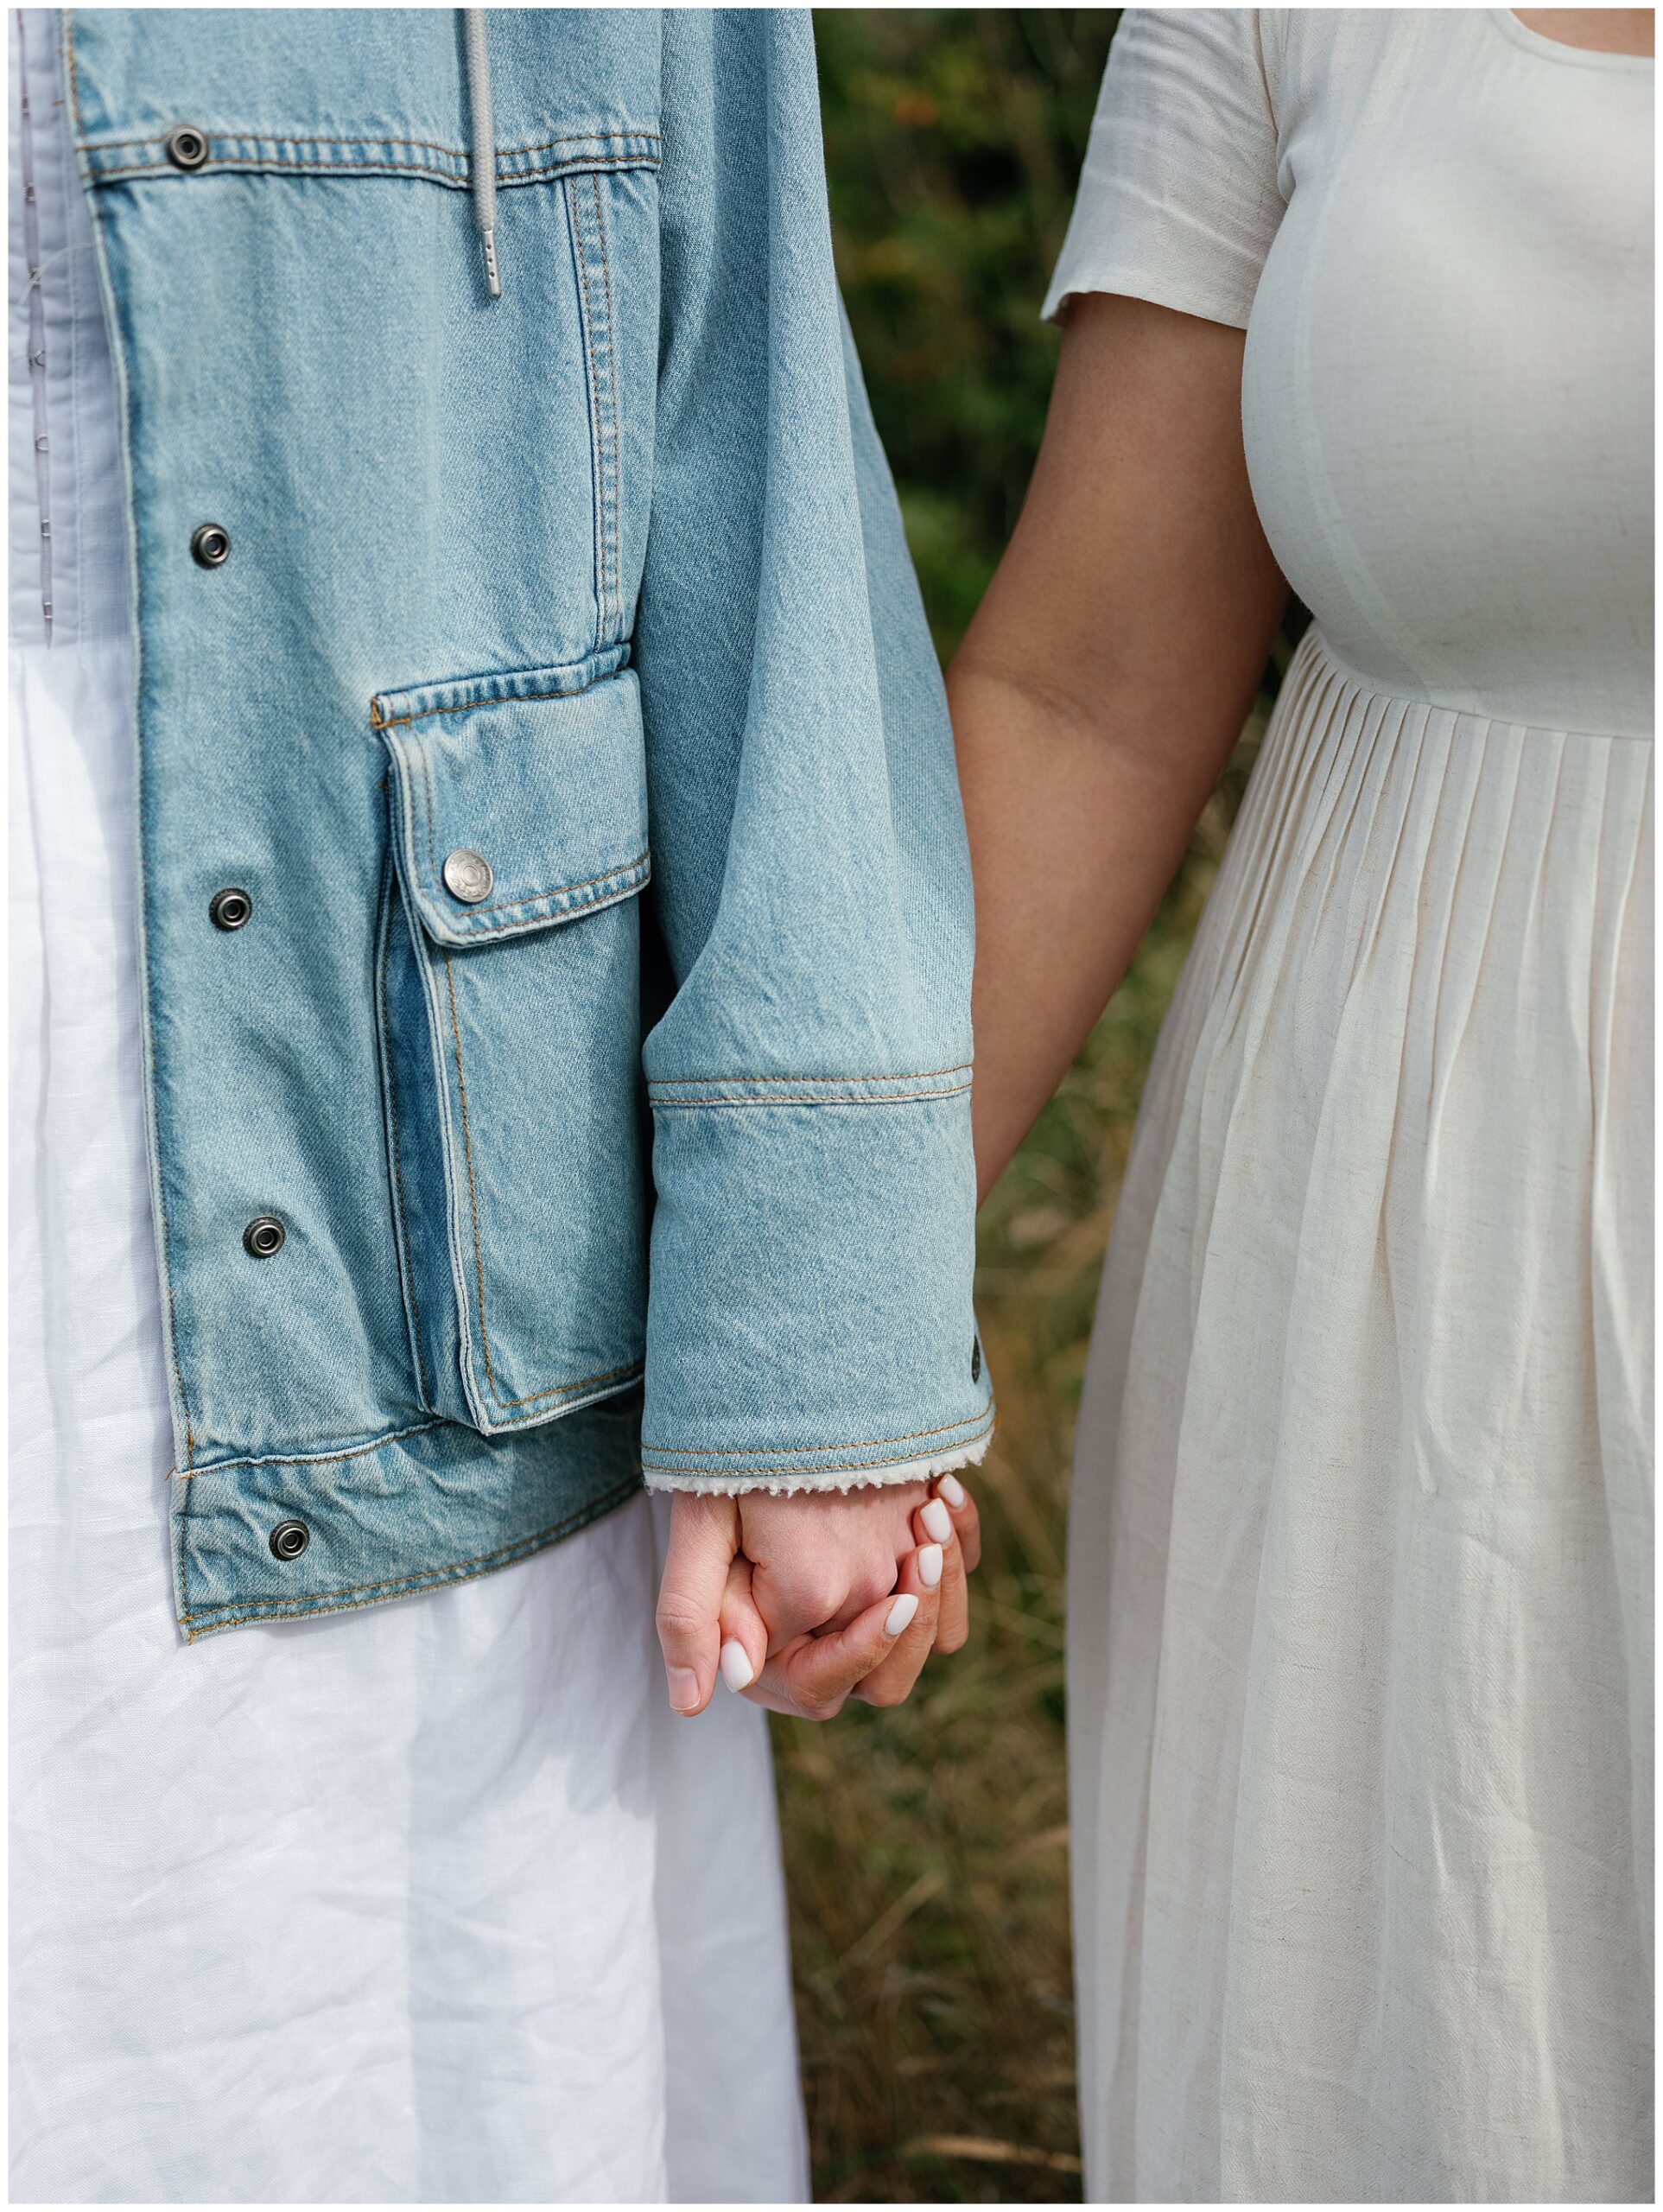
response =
{"points": [[651, 1148]]}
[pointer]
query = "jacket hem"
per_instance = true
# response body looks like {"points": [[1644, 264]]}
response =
{"points": [[195, 1625], [427, 1508]]}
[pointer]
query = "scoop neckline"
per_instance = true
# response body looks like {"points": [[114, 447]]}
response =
{"points": [[1555, 50]]}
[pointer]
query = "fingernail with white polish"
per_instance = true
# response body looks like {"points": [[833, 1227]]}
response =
{"points": [[952, 1490], [683, 1688], [937, 1521], [900, 1614], [929, 1560], [737, 1670]]}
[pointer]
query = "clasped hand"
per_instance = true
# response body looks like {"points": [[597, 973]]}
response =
{"points": [[804, 1600]]}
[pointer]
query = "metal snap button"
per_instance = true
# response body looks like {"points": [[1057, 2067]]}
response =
{"points": [[210, 545], [187, 147], [975, 1359], [290, 1539], [468, 877], [229, 909], [264, 1235]]}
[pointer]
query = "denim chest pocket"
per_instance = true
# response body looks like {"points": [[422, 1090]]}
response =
{"points": [[508, 995]]}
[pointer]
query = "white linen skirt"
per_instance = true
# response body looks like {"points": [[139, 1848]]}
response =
{"points": [[1361, 1573], [436, 1902]]}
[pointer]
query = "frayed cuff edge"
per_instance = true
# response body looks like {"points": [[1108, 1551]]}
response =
{"points": [[925, 1469]]}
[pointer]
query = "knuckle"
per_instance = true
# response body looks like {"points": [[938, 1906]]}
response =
{"points": [[872, 1583], [819, 1596], [677, 1616]]}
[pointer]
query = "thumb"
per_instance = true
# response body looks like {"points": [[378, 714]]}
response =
{"points": [[704, 1535]]}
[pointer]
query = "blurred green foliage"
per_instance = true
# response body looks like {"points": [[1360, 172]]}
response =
{"points": [[953, 141]]}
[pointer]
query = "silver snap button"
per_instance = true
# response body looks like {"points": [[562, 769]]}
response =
{"points": [[264, 1235], [229, 908], [210, 545], [468, 877], [187, 147], [290, 1539]]}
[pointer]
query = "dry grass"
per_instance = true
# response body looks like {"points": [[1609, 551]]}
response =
{"points": [[927, 1849]]}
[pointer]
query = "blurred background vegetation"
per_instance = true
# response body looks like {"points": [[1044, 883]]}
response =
{"points": [[927, 1849]]}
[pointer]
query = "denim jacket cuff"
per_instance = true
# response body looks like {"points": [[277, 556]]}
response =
{"points": [[922, 1466], [810, 1321]]}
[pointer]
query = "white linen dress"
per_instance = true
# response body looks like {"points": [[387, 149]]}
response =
{"points": [[1361, 1663], [436, 1902]]}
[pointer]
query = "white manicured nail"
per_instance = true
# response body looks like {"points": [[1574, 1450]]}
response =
{"points": [[952, 1490], [737, 1670], [929, 1560], [937, 1521], [900, 1614]]}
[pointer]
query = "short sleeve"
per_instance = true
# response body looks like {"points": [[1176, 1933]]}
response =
{"points": [[1178, 199]]}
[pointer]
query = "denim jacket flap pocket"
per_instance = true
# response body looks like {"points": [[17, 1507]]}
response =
{"points": [[512, 1044], [520, 800]]}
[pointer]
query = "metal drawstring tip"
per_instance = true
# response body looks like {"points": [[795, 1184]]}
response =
{"points": [[492, 282]]}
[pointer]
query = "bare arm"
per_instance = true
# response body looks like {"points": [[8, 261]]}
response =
{"points": [[1103, 684]]}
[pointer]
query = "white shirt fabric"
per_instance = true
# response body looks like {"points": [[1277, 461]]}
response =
{"points": [[435, 1902], [1361, 1572]]}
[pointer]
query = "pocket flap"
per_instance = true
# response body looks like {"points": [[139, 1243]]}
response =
{"points": [[520, 800]]}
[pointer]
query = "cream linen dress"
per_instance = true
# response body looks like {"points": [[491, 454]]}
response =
{"points": [[1362, 1549]]}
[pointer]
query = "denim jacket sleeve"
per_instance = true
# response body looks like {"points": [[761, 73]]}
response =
{"points": [[809, 1319]]}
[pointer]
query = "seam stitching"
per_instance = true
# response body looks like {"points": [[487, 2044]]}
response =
{"points": [[144, 872], [467, 1148], [621, 1375], [814, 1481], [424, 1577], [429, 145], [182, 1552], [907, 1098], [507, 906], [613, 500], [316, 1459], [557, 890], [870, 1444], [463, 706], [431, 810], [585, 316], [918, 1075], [164, 172], [756, 1467], [74, 76], [161, 1181]]}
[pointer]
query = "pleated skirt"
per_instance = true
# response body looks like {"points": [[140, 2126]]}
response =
{"points": [[1360, 1548]]}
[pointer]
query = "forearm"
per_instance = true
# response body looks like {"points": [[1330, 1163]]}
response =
{"points": [[1102, 685], [1075, 830]]}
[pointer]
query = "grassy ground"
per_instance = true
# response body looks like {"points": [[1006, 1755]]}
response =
{"points": [[927, 1849]]}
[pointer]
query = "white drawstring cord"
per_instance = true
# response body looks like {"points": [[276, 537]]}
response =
{"points": [[483, 159]]}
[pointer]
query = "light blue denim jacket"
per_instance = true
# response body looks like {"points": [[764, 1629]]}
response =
{"points": [[595, 1049]]}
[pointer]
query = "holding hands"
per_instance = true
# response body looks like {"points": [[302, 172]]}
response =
{"points": [[804, 1600]]}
